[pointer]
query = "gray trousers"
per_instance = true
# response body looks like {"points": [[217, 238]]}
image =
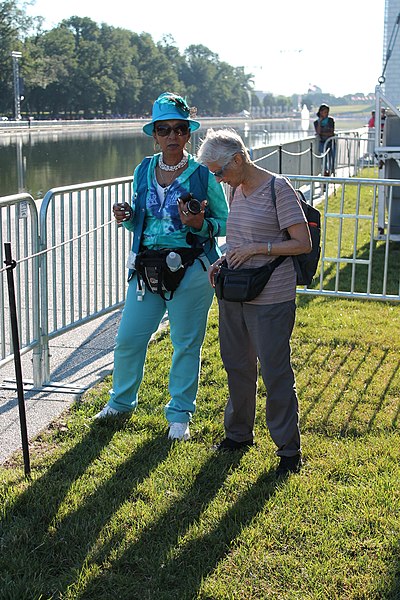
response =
{"points": [[248, 332]]}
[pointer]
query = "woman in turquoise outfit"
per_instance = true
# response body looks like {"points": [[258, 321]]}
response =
{"points": [[158, 185]]}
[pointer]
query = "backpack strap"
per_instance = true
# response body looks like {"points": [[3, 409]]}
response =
{"points": [[280, 259], [273, 193]]}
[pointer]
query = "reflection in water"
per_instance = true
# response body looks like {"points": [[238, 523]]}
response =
{"points": [[36, 162], [21, 166]]}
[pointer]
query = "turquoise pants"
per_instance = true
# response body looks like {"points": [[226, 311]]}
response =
{"points": [[187, 314]]}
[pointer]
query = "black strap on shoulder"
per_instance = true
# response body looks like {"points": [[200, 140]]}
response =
{"points": [[273, 194], [280, 259]]}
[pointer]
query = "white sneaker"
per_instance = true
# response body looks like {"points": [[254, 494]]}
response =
{"points": [[107, 411], [179, 431]]}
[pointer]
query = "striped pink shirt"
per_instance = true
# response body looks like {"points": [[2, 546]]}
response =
{"points": [[254, 219]]}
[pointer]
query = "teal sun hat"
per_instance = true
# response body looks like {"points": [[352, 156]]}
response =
{"points": [[170, 107]]}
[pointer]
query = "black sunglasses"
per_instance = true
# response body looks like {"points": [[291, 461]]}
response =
{"points": [[221, 171], [164, 130]]}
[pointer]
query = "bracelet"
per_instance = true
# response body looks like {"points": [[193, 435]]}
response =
{"points": [[269, 248]]}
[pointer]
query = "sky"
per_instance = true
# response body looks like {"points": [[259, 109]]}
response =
{"points": [[288, 45]]}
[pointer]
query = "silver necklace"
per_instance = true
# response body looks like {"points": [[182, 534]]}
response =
{"points": [[164, 185], [180, 164]]}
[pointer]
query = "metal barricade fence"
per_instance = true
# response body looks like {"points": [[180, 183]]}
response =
{"points": [[83, 273], [19, 226], [303, 157], [357, 260]]}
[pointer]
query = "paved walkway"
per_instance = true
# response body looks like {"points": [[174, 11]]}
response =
{"points": [[79, 359]]}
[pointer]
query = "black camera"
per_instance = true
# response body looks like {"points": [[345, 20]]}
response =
{"points": [[193, 206]]}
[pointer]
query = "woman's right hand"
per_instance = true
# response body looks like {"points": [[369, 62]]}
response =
{"points": [[213, 269], [122, 212]]}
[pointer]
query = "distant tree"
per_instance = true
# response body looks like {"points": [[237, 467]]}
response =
{"points": [[121, 68], [14, 25], [155, 72], [269, 101], [49, 67], [229, 90], [201, 69], [81, 67]]}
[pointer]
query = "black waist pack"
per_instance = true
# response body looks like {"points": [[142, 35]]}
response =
{"points": [[153, 271], [243, 285]]}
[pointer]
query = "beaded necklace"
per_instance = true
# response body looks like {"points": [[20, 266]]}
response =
{"points": [[180, 164]]}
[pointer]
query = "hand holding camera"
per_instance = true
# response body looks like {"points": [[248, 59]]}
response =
{"points": [[191, 210]]}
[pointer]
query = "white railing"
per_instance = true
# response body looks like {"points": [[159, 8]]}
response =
{"points": [[70, 264], [19, 226], [364, 263], [352, 153]]}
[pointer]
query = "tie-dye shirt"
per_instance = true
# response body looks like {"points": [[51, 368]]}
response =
{"points": [[163, 227]]}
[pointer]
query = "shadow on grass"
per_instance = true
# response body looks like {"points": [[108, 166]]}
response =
{"points": [[379, 405], [55, 548], [345, 414], [161, 564]]}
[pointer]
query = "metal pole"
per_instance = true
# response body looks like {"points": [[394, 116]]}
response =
{"points": [[17, 356], [311, 160], [17, 97], [280, 160]]}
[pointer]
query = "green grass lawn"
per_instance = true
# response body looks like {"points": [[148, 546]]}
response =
{"points": [[342, 110], [115, 511]]}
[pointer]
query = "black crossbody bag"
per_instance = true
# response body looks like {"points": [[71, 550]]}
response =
{"points": [[243, 285]]}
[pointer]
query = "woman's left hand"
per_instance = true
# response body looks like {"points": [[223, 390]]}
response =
{"points": [[189, 219]]}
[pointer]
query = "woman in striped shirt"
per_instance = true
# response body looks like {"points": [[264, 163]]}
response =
{"points": [[258, 230]]}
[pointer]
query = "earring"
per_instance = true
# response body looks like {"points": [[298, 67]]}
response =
{"points": [[156, 146]]}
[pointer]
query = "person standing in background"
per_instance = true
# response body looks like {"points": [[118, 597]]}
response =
{"points": [[325, 129], [371, 122]]}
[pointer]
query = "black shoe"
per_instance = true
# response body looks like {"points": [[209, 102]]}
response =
{"points": [[289, 464], [231, 445]]}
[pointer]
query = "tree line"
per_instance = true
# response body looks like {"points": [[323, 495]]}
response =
{"points": [[83, 68]]}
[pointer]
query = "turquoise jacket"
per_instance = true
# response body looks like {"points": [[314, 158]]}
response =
{"points": [[162, 226]]}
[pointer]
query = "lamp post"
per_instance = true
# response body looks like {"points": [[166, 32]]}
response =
{"points": [[17, 97]]}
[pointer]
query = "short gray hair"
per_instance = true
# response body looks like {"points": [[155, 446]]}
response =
{"points": [[220, 145]]}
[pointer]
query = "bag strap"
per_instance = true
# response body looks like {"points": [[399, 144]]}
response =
{"points": [[280, 259]]}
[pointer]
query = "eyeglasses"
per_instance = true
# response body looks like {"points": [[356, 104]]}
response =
{"points": [[164, 130], [220, 172]]}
